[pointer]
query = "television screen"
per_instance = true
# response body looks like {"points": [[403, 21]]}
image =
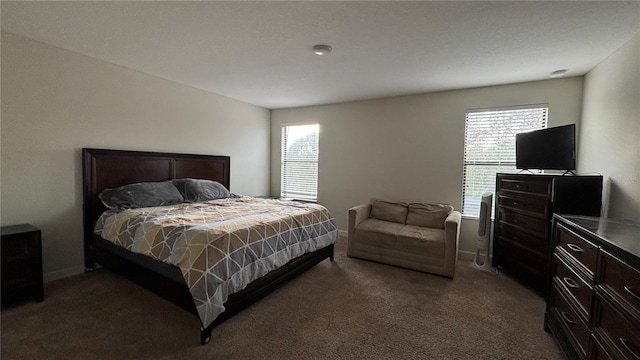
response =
{"points": [[547, 149]]}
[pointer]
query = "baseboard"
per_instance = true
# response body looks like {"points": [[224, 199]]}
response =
{"points": [[466, 255], [56, 275], [344, 233]]}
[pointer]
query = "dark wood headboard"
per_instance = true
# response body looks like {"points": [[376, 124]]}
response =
{"points": [[103, 169]]}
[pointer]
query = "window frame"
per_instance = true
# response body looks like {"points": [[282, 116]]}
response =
{"points": [[287, 193], [504, 163]]}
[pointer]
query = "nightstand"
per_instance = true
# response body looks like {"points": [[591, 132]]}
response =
{"points": [[21, 263]]}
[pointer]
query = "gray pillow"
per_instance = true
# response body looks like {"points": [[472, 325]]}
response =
{"points": [[139, 195], [198, 190], [428, 215], [394, 211]]}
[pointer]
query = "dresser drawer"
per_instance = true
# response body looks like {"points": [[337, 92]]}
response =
{"points": [[575, 286], [576, 330], [537, 188], [583, 251], [533, 207], [538, 227], [528, 260], [621, 279], [598, 351], [620, 333], [512, 234]]}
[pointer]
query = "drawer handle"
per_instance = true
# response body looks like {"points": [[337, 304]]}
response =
{"points": [[628, 346], [520, 222], [515, 203], [570, 283], [567, 317], [629, 289], [575, 248]]}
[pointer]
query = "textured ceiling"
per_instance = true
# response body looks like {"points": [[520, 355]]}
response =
{"points": [[260, 52]]}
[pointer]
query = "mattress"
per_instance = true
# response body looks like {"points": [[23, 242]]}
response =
{"points": [[221, 246]]}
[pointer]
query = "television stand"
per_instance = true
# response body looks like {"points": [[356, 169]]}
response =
{"points": [[569, 172]]}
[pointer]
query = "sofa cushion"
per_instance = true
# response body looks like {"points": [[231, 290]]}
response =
{"points": [[428, 215], [378, 233], [428, 242], [393, 211]]}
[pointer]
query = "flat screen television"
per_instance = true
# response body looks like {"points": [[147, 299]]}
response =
{"points": [[547, 149]]}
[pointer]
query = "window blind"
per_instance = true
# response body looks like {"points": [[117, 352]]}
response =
{"points": [[299, 162], [490, 147]]}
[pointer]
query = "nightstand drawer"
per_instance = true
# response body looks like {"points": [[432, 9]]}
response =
{"points": [[16, 272], [583, 251], [21, 265], [15, 248]]}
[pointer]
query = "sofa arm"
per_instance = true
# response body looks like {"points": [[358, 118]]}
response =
{"points": [[357, 214], [452, 222], [451, 236]]}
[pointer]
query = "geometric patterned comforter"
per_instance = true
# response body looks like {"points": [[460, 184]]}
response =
{"points": [[221, 245]]}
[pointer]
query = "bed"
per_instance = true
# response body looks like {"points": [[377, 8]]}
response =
{"points": [[109, 169]]}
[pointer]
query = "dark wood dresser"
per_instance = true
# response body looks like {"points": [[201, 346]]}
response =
{"points": [[21, 263], [593, 303], [525, 204]]}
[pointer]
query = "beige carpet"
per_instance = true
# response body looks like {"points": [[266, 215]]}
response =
{"points": [[348, 309]]}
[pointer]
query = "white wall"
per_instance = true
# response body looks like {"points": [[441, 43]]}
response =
{"points": [[55, 102], [409, 148], [611, 129]]}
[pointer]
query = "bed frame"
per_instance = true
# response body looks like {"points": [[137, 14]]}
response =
{"points": [[112, 168]]}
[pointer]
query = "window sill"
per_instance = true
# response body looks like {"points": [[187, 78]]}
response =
{"points": [[473, 217], [300, 200]]}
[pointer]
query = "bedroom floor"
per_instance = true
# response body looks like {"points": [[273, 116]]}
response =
{"points": [[348, 309]]}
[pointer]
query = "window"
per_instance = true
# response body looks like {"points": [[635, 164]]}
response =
{"points": [[299, 162], [490, 147]]}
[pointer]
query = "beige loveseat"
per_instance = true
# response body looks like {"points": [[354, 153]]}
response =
{"points": [[417, 236]]}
